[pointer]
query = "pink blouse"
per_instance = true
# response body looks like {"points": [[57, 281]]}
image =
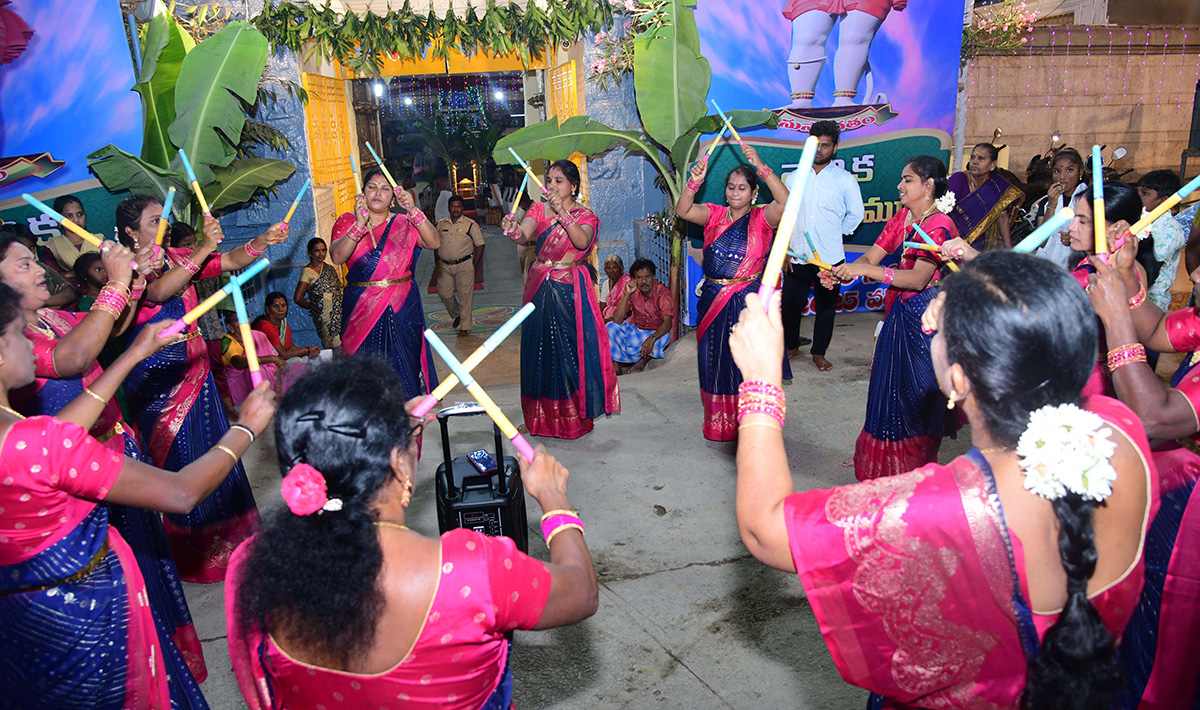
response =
{"points": [[487, 588]]}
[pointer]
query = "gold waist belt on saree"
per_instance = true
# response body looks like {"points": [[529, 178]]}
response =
{"points": [[730, 282], [73, 578], [117, 430], [558, 264], [385, 282]]}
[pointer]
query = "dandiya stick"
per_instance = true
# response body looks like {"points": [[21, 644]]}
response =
{"points": [[489, 406], [58, 217], [209, 303], [1051, 226], [1143, 223], [517, 199], [919, 245], [529, 171], [716, 142], [1098, 220], [470, 363], [787, 224], [732, 130], [929, 240], [239, 305], [296, 202], [382, 167], [357, 175], [812, 247], [815, 261], [162, 221], [187, 166]]}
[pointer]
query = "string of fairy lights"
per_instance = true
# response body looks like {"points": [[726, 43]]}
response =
{"points": [[454, 97], [1143, 67]]}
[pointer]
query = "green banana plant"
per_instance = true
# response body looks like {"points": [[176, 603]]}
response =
{"points": [[192, 98]]}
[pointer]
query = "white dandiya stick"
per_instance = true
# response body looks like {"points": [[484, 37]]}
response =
{"points": [[382, 167], [470, 363], [55, 215], [162, 221], [1151, 216], [529, 171], [1052, 225], [1098, 220], [517, 199], [209, 303], [787, 224], [489, 406], [929, 241], [187, 166], [732, 130], [296, 202]]}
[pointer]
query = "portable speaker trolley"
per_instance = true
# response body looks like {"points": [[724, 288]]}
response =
{"points": [[491, 502]]}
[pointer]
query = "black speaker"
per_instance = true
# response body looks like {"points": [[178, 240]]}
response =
{"points": [[491, 502]]}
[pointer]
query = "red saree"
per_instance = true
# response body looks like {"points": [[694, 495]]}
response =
{"points": [[915, 584]]}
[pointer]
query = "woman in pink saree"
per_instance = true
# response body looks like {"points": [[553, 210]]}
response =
{"points": [[1160, 650], [381, 311], [567, 374], [1004, 578], [338, 603], [737, 240], [79, 631]]}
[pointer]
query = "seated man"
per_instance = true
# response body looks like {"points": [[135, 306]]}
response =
{"points": [[641, 325]]}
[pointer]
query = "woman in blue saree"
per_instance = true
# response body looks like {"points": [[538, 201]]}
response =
{"points": [[986, 204]]}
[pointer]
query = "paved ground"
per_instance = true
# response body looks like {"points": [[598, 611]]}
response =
{"points": [[687, 618]]}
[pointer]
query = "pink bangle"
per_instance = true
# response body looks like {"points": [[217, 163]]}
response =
{"points": [[764, 172], [694, 186], [187, 263], [416, 217], [111, 300], [761, 398], [889, 275], [556, 524], [1125, 355], [252, 252]]}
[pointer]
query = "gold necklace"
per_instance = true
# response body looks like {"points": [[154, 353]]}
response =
{"points": [[43, 329], [12, 411], [994, 449], [389, 524]]}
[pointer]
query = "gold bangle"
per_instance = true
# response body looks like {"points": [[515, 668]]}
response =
{"points": [[560, 528], [551, 513], [226, 449], [97, 397]]}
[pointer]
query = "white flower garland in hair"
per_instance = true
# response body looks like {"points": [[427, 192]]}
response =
{"points": [[945, 203], [1067, 449]]}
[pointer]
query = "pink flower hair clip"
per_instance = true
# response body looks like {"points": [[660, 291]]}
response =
{"points": [[304, 491]]}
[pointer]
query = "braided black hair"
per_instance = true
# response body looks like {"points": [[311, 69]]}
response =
{"points": [[1026, 337], [316, 576]]}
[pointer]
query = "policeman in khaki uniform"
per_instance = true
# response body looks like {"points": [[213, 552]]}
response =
{"points": [[462, 247]]}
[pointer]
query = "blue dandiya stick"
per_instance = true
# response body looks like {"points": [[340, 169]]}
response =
{"points": [[471, 362], [517, 199], [296, 202], [357, 174], [187, 166], [239, 305], [529, 171], [812, 260], [920, 245], [1052, 225], [729, 123], [162, 221], [235, 282], [1098, 220], [489, 406], [929, 240]]}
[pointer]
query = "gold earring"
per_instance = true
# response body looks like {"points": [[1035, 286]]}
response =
{"points": [[1, 359], [950, 399], [407, 495]]}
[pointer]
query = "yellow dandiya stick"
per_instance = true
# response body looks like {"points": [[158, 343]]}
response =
{"points": [[1169, 203], [918, 245], [57, 216], [187, 166], [517, 202], [529, 171], [1098, 220], [716, 142], [732, 130], [814, 260], [239, 305], [296, 202], [357, 175], [382, 167], [929, 240], [162, 221], [787, 224]]}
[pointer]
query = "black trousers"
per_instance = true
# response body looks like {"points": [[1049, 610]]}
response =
{"points": [[796, 285]]}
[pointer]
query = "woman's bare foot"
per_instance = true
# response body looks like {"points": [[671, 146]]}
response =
{"points": [[848, 463], [821, 363]]}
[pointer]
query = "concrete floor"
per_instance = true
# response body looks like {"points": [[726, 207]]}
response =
{"points": [[687, 618]]}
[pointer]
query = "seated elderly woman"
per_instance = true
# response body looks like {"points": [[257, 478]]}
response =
{"points": [[273, 323], [337, 603], [612, 286], [1004, 577]]}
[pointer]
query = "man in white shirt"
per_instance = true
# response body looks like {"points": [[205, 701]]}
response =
{"points": [[832, 207]]}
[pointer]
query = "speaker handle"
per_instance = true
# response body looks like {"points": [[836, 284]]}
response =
{"points": [[500, 460]]}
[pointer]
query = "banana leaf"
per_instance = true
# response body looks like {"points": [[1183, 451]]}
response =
{"points": [[242, 179], [165, 46], [550, 141], [670, 77], [687, 148], [213, 76], [119, 171]]}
